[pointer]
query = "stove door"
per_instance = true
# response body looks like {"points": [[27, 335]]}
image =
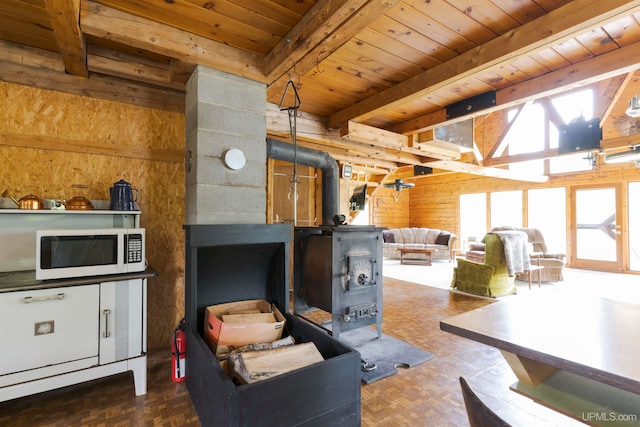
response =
{"points": [[48, 327]]}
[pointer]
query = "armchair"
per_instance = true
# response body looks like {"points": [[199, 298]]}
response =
{"points": [[488, 278], [553, 263]]}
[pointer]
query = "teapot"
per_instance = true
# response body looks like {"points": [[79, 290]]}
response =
{"points": [[30, 201], [122, 196]]}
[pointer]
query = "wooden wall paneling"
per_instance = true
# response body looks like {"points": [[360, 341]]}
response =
{"points": [[389, 212], [448, 189]]}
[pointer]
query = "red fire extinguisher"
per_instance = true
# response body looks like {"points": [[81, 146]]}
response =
{"points": [[178, 356]]}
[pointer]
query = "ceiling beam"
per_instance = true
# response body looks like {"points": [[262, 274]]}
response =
{"points": [[322, 31], [589, 71], [485, 171], [42, 69], [64, 16], [607, 100], [573, 19], [310, 31], [29, 57], [353, 131], [110, 62], [311, 128], [121, 27]]}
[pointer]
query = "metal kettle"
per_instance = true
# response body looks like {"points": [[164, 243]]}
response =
{"points": [[122, 196]]}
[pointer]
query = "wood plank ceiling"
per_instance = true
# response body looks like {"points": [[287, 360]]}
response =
{"points": [[374, 77]]}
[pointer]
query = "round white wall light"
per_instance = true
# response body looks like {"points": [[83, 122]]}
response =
{"points": [[234, 159]]}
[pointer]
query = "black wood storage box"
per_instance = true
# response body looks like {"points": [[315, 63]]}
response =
{"points": [[226, 263]]}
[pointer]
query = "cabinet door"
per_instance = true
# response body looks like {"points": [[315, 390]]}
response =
{"points": [[47, 327], [122, 314]]}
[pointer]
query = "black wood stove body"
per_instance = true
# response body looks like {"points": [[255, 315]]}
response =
{"points": [[338, 269], [226, 263]]}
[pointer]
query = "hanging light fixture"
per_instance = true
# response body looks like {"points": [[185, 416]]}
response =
{"points": [[632, 155]]}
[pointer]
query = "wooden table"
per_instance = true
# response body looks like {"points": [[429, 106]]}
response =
{"points": [[425, 252], [529, 273], [456, 253], [576, 354]]}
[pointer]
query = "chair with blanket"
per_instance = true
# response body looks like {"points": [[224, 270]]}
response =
{"points": [[553, 263], [492, 277]]}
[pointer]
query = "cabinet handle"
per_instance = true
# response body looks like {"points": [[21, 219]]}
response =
{"points": [[106, 312], [28, 300]]}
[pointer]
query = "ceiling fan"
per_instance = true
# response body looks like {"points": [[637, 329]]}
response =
{"points": [[398, 184]]}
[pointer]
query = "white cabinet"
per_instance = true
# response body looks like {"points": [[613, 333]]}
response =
{"points": [[121, 320], [57, 336], [47, 327]]}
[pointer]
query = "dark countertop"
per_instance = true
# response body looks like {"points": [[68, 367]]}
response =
{"points": [[26, 280]]}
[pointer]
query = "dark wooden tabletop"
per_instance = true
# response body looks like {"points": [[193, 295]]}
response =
{"points": [[594, 337]]}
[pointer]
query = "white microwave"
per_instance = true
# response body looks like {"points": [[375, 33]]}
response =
{"points": [[62, 254]]}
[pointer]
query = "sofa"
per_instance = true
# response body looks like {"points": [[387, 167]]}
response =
{"points": [[440, 241]]}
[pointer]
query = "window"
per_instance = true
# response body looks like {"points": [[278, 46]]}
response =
{"points": [[547, 213], [569, 163], [473, 217], [576, 105], [506, 208], [532, 131], [634, 226], [527, 133]]}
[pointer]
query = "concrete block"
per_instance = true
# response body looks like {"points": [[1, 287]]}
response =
{"points": [[217, 87], [228, 120]]}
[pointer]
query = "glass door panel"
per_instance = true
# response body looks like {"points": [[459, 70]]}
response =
{"points": [[634, 226], [596, 243]]}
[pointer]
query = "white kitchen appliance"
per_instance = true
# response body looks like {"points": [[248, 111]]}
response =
{"points": [[64, 254]]}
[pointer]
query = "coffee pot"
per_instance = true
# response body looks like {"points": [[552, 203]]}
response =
{"points": [[122, 196]]}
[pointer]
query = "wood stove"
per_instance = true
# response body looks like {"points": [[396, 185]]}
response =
{"points": [[338, 269], [226, 263]]}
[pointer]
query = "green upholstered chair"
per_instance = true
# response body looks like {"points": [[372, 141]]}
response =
{"points": [[491, 278]]}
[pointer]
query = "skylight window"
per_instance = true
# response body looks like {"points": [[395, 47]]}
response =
{"points": [[532, 130], [574, 105]]}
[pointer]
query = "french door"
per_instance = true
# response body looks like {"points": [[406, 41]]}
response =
{"points": [[596, 232]]}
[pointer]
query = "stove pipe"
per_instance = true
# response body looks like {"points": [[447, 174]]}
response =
{"points": [[318, 159]]}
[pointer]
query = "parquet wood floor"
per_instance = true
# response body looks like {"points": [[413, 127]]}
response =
{"points": [[425, 395]]}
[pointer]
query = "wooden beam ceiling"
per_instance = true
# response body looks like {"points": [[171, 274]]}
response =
{"points": [[323, 30], [608, 65], [563, 23], [37, 68], [121, 27], [64, 16], [327, 26]]}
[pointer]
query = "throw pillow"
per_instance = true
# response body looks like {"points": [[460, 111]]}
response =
{"points": [[443, 238], [387, 236]]}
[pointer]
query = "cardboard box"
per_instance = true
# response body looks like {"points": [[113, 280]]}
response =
{"points": [[254, 328]]}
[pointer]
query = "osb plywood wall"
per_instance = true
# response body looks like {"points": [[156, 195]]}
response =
{"points": [[67, 120]]}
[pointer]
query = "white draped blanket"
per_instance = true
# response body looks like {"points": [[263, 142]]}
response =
{"points": [[516, 252]]}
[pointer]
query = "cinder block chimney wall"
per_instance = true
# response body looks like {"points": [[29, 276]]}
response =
{"points": [[224, 112]]}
